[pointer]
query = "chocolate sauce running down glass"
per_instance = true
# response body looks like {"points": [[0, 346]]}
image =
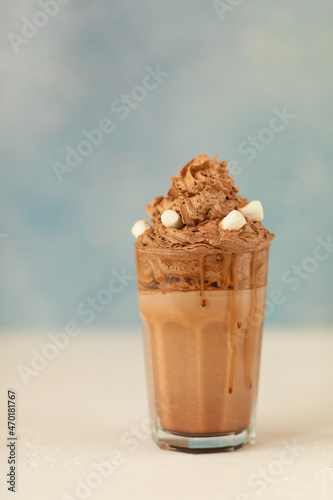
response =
{"points": [[202, 315]]}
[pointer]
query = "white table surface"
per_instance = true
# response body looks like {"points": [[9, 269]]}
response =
{"points": [[90, 400]]}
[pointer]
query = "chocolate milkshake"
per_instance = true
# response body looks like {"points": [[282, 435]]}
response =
{"points": [[202, 272]]}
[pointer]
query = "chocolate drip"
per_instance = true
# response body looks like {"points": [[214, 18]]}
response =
{"points": [[254, 279], [253, 317], [226, 270], [202, 280], [233, 321]]}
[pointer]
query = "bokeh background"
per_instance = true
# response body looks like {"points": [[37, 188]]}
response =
{"points": [[228, 67]]}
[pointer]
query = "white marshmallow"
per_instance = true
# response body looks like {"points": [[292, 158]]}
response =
{"points": [[139, 228], [170, 218], [233, 221], [253, 210]]}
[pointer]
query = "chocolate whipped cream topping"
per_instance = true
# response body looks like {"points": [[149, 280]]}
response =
{"points": [[202, 193]]}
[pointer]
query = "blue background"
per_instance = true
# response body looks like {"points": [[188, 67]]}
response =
{"points": [[61, 240]]}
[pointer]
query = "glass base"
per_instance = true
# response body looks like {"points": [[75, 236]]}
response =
{"points": [[202, 444]]}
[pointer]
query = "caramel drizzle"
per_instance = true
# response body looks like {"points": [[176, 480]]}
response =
{"points": [[202, 280], [233, 322]]}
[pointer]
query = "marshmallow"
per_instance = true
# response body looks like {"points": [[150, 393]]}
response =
{"points": [[170, 218], [253, 210], [139, 228], [233, 221]]}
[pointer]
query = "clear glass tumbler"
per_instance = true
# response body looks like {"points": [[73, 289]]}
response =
{"points": [[202, 315]]}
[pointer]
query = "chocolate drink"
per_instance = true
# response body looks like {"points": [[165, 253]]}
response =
{"points": [[202, 295], [200, 386]]}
